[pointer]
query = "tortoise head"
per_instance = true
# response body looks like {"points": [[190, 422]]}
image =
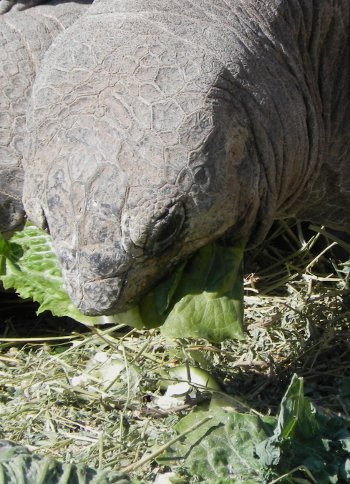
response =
{"points": [[134, 162], [119, 226]]}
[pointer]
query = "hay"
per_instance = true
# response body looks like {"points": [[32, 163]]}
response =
{"points": [[56, 399]]}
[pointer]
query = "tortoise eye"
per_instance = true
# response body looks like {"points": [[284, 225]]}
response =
{"points": [[166, 229], [201, 175]]}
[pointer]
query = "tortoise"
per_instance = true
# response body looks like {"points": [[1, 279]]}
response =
{"points": [[25, 37], [157, 127]]}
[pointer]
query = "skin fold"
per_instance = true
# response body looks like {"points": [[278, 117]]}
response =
{"points": [[157, 127], [25, 37], [7, 5]]}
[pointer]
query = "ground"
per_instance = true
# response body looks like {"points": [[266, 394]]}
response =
{"points": [[297, 306]]}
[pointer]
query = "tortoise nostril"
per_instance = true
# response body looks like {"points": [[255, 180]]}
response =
{"points": [[67, 259]]}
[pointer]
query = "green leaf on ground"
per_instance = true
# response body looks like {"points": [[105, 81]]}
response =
{"points": [[301, 443], [306, 437], [18, 465], [223, 447]]}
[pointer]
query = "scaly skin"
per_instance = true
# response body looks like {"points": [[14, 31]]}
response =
{"points": [[7, 5], [24, 37], [160, 126]]}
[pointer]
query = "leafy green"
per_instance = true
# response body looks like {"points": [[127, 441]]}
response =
{"points": [[223, 447], [301, 442], [202, 298], [29, 265], [306, 437], [18, 465]]}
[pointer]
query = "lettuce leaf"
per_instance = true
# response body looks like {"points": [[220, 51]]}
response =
{"points": [[18, 464], [29, 265], [202, 298], [302, 444]]}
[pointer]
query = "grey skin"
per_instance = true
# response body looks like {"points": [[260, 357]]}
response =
{"points": [[157, 127], [7, 5], [24, 38]]}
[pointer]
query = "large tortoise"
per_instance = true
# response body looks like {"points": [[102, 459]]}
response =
{"points": [[156, 127], [24, 38]]}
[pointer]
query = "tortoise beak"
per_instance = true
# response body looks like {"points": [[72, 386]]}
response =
{"points": [[99, 297], [94, 280]]}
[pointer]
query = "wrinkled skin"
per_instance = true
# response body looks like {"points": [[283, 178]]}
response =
{"points": [[7, 5], [157, 127], [24, 37]]}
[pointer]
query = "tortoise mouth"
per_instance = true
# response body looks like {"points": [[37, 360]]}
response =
{"points": [[100, 297]]}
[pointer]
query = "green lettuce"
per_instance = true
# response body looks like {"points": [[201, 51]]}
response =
{"points": [[302, 444], [202, 298], [29, 265], [19, 465]]}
